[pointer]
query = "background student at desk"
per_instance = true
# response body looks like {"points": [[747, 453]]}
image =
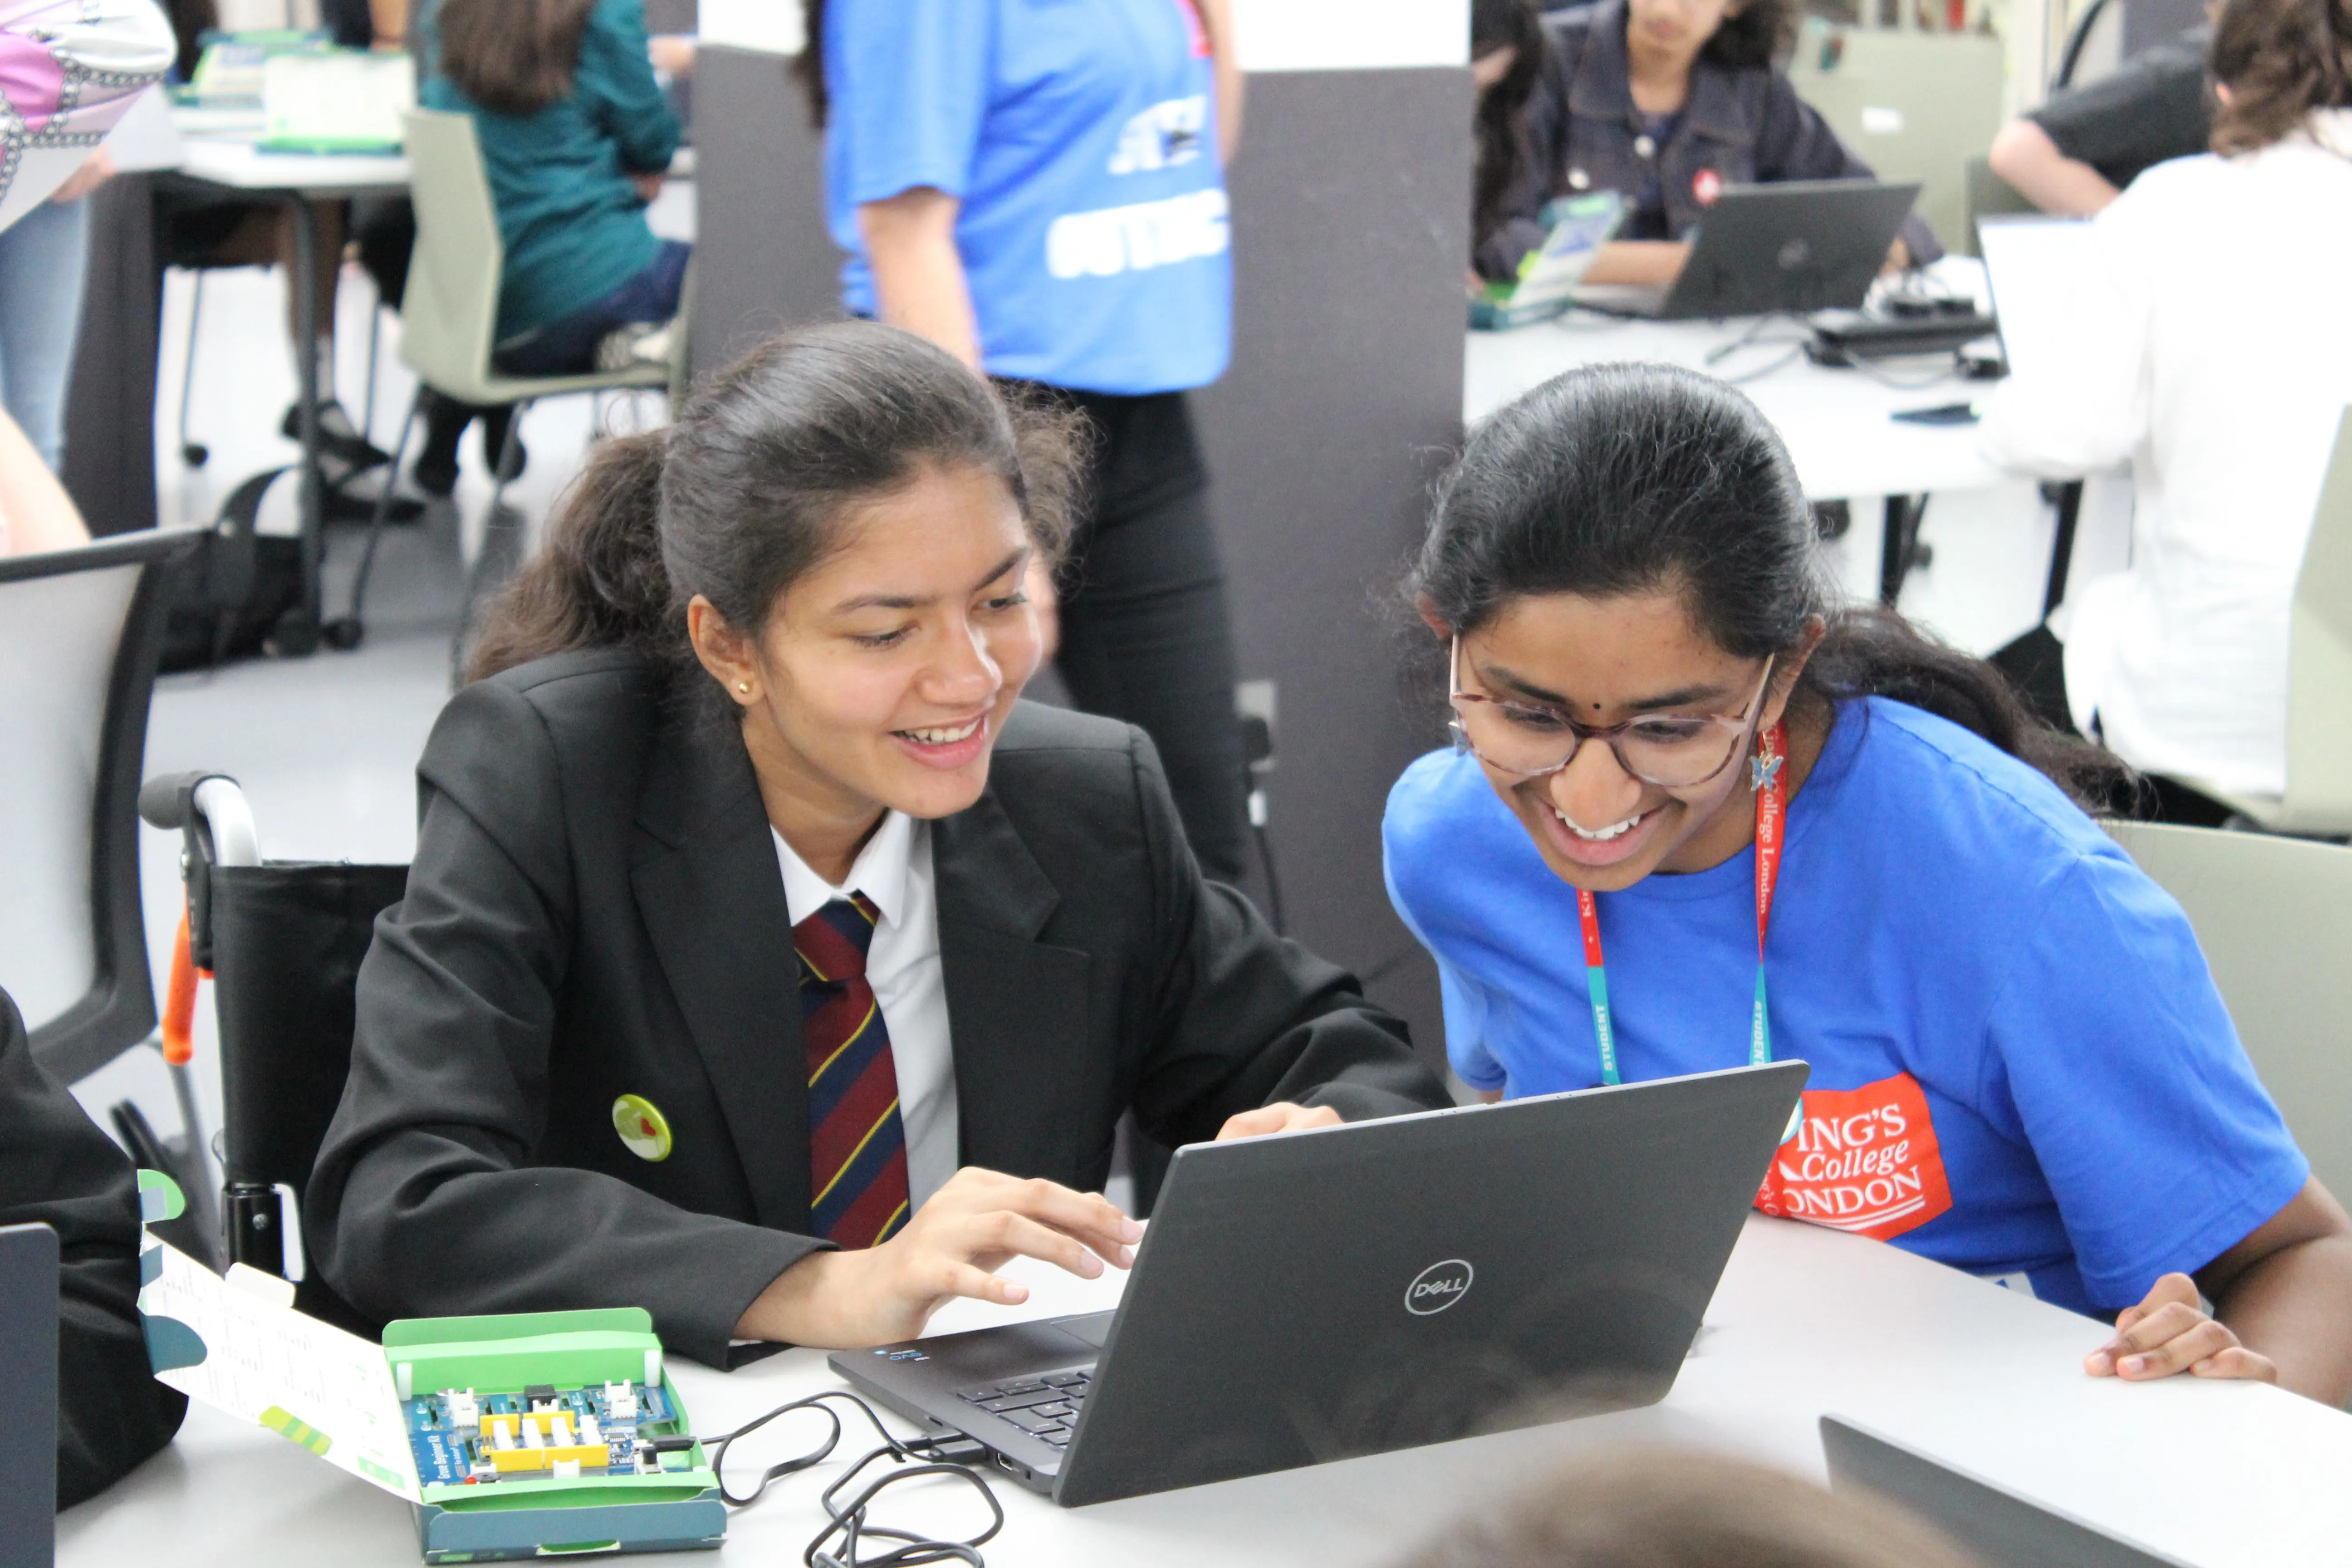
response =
{"points": [[764, 962], [1667, 102], [2076, 153], [575, 134], [2205, 341]]}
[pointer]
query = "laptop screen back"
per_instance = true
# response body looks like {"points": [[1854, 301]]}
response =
{"points": [[1995, 1525], [28, 1392], [2031, 265]]}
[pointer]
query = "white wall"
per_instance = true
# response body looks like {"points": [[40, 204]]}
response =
{"points": [[1274, 35], [1352, 34]]}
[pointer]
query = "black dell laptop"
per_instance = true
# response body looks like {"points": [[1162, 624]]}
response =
{"points": [[1796, 246], [2000, 1528], [1381, 1285]]}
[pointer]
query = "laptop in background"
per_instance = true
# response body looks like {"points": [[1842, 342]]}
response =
{"points": [[1378, 1286], [28, 1394], [2000, 1528], [1796, 246], [337, 101], [2031, 263]]}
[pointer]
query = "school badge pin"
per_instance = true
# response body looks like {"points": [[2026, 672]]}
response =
{"points": [[644, 1131]]}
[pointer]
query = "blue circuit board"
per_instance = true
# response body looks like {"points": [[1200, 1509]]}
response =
{"points": [[445, 1430]]}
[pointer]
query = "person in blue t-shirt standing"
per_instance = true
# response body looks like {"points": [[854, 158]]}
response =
{"points": [[1700, 815], [1037, 185]]}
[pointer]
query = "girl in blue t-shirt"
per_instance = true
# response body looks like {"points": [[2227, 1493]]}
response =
{"points": [[1038, 186], [1809, 831]]}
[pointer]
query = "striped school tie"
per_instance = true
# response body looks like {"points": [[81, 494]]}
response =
{"points": [[858, 1145]]}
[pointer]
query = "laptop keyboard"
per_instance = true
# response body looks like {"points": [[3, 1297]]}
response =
{"points": [[1046, 1407]]}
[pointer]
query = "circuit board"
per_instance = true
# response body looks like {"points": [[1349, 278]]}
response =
{"points": [[463, 1438]]}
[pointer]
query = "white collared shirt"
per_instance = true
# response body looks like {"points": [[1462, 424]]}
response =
{"points": [[894, 870]]}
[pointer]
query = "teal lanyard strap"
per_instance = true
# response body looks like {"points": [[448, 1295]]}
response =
{"points": [[1771, 815]]}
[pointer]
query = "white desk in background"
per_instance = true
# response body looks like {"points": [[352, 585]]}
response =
{"points": [[1836, 422], [1806, 1320]]}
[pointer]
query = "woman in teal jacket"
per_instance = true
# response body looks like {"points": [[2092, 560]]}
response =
{"points": [[575, 134]]}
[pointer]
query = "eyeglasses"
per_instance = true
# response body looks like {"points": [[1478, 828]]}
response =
{"points": [[1673, 751]]}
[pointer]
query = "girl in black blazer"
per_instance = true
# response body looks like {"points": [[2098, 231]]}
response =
{"points": [[757, 701]]}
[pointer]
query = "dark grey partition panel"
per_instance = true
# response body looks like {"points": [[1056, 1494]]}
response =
{"points": [[1350, 233], [109, 463], [1351, 230], [763, 259]]}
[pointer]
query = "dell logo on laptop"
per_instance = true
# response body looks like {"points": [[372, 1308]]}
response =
{"points": [[1437, 1286]]}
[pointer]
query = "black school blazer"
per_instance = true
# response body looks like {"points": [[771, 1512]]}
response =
{"points": [[595, 910]]}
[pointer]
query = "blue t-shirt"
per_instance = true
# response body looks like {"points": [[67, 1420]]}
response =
{"points": [[1952, 943], [1080, 138]]}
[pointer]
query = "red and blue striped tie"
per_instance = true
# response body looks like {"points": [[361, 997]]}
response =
{"points": [[858, 1145]]}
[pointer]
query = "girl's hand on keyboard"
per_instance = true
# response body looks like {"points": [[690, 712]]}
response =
{"points": [[970, 1226]]}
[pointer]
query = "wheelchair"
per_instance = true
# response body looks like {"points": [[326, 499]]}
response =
{"points": [[282, 941]]}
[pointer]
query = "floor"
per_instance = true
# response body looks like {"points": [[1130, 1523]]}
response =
{"points": [[325, 746]]}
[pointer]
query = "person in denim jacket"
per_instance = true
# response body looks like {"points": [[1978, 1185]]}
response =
{"points": [[1668, 102]]}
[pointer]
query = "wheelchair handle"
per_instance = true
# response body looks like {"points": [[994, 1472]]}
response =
{"points": [[208, 810]]}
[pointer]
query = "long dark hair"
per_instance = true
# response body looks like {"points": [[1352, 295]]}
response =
{"points": [[1503, 150], [2280, 59], [512, 57], [1753, 38], [809, 68], [1625, 479], [744, 493]]}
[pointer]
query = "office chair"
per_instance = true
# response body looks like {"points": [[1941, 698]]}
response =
{"points": [[2095, 46], [2318, 799], [449, 325], [282, 942], [2270, 914], [80, 631]]}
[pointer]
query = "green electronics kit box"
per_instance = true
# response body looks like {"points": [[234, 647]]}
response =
{"points": [[528, 1435], [1575, 228]]}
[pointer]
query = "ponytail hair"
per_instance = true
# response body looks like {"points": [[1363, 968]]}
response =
{"points": [[2280, 59], [1629, 478], [745, 493]]}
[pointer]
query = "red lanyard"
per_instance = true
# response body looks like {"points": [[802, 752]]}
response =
{"points": [[1765, 778]]}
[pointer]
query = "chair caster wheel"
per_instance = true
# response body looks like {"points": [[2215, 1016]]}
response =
{"points": [[345, 635]]}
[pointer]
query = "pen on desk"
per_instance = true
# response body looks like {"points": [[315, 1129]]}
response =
{"points": [[1942, 414]]}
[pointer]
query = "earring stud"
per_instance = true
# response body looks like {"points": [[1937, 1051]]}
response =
{"points": [[744, 687]]}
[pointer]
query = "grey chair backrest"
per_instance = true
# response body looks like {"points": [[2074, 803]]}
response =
{"points": [[448, 319], [2319, 662], [79, 633], [2274, 918]]}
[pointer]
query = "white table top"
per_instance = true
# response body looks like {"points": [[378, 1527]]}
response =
{"points": [[1806, 1320], [1834, 421], [234, 161], [219, 147]]}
